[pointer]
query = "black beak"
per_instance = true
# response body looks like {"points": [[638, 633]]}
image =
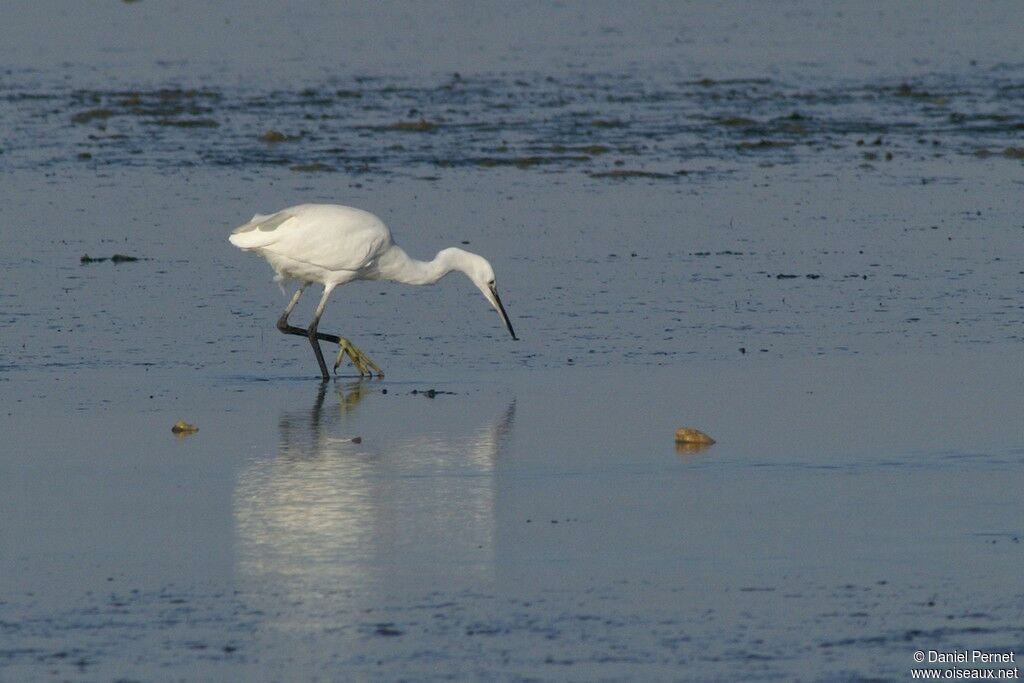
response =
{"points": [[504, 315]]}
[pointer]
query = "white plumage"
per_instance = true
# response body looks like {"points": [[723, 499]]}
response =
{"points": [[332, 244], [316, 242]]}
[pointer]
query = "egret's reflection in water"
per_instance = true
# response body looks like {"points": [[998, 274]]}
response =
{"points": [[334, 525]]}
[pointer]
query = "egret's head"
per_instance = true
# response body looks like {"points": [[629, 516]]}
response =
{"points": [[478, 270]]}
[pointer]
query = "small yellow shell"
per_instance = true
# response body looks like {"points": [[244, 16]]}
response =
{"points": [[688, 435], [182, 427]]}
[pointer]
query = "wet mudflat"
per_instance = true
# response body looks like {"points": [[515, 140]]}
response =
{"points": [[816, 262]]}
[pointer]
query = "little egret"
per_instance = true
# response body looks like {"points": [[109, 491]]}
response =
{"points": [[332, 245]]}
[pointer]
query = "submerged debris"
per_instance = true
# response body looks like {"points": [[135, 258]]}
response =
{"points": [[431, 393], [182, 427], [116, 258], [387, 630]]}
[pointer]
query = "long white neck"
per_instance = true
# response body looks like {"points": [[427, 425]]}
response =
{"points": [[396, 265]]}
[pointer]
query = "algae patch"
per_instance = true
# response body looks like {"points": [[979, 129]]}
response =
{"points": [[527, 162], [188, 123], [274, 136], [1008, 153], [764, 144], [737, 121], [311, 168], [93, 115], [421, 126], [624, 174]]}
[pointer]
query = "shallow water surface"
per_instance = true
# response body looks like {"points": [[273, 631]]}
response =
{"points": [[797, 230], [520, 524]]}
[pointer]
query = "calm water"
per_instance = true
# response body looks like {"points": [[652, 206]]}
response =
{"points": [[795, 228]]}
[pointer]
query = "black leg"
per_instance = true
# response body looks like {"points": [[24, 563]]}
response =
{"points": [[282, 322], [314, 338], [311, 333], [322, 336], [315, 343]]}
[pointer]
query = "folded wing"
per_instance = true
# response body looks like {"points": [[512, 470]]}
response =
{"points": [[330, 237]]}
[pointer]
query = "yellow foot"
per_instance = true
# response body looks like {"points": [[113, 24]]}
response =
{"points": [[360, 360]]}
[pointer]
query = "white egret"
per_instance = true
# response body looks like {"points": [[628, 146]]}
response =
{"points": [[332, 244]]}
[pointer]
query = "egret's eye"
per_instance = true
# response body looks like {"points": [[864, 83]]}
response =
{"points": [[491, 283]]}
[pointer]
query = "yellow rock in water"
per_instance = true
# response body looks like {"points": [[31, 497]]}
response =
{"points": [[695, 436], [182, 427]]}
